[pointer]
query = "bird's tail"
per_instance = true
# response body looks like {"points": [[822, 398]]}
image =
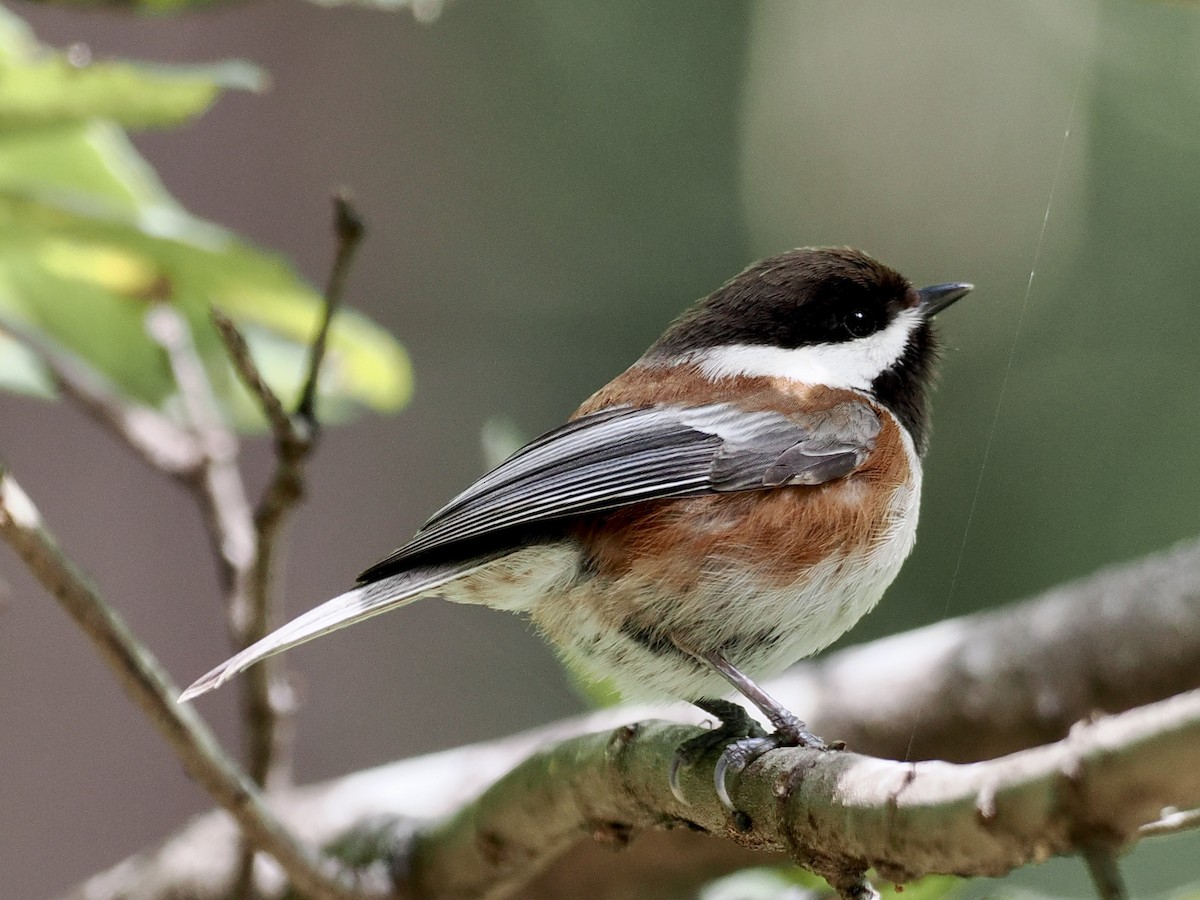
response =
{"points": [[353, 606]]}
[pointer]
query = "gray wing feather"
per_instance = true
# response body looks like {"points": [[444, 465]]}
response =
{"points": [[608, 459], [623, 455], [798, 466]]}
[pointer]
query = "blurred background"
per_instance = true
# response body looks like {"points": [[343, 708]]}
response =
{"points": [[546, 185]]}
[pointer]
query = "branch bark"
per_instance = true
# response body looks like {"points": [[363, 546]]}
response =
{"points": [[980, 686], [835, 813]]}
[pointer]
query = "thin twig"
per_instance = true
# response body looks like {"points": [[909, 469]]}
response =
{"points": [[148, 685], [151, 435], [243, 363], [1172, 822], [268, 698], [269, 701], [269, 695], [348, 227], [221, 493], [219, 485], [1105, 872]]}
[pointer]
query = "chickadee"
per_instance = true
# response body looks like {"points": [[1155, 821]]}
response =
{"points": [[731, 503]]}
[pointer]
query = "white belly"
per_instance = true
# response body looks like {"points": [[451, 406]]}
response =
{"points": [[761, 633]]}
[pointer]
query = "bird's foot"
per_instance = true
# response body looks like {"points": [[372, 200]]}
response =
{"points": [[749, 743], [741, 753], [736, 727]]}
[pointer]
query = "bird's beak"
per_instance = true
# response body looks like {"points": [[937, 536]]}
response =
{"points": [[937, 297]]}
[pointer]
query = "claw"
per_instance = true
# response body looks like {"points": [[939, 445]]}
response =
{"points": [[673, 780], [738, 755], [719, 775], [734, 725], [734, 760]]}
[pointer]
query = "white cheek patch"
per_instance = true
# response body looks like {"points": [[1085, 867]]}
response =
{"points": [[853, 364]]}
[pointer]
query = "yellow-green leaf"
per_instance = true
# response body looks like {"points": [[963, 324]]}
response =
{"points": [[40, 87]]}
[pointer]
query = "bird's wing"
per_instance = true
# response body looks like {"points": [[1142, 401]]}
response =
{"points": [[624, 455], [600, 461]]}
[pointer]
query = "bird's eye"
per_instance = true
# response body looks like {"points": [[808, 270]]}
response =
{"points": [[859, 323]]}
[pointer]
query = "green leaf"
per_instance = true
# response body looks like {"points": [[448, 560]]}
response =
{"points": [[90, 240], [40, 87], [20, 372], [83, 268], [54, 90]]}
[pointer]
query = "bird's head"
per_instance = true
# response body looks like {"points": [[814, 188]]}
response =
{"points": [[831, 316]]}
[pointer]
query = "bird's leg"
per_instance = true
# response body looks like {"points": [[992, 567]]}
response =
{"points": [[785, 721], [789, 730]]}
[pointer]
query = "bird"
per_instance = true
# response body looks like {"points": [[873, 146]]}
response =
{"points": [[731, 503]]}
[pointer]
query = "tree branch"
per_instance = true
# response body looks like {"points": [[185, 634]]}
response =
{"points": [[218, 486], [148, 433], [999, 679], [153, 692], [835, 813], [1172, 822], [348, 229], [204, 457]]}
